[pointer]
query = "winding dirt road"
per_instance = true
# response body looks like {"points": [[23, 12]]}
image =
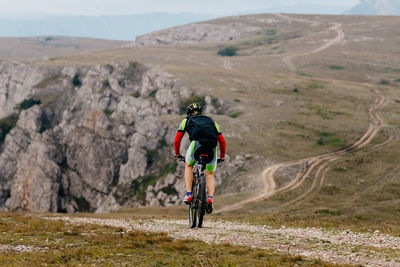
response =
{"points": [[337, 27], [318, 164]]}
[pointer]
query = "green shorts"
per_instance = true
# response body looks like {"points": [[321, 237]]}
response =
{"points": [[196, 147]]}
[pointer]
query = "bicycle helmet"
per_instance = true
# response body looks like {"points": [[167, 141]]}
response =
{"points": [[192, 108]]}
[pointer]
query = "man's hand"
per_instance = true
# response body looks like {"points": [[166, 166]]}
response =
{"points": [[219, 161], [180, 157]]}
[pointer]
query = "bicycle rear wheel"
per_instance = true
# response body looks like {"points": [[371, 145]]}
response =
{"points": [[193, 207], [202, 199]]}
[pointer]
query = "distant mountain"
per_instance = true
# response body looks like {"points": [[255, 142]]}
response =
{"points": [[306, 8], [376, 7], [124, 27]]}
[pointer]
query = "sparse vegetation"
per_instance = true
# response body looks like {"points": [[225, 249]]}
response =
{"points": [[397, 80], [106, 83], [329, 212], [28, 103], [140, 185], [135, 95], [271, 32], [47, 81], [76, 81], [384, 82], [134, 64], [336, 67], [229, 51], [236, 114], [313, 84], [339, 169], [304, 74], [329, 139], [108, 112], [153, 93], [6, 125]]}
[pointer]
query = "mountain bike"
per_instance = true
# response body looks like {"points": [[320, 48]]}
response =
{"points": [[197, 207]]}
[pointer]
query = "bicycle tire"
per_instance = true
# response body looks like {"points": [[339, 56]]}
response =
{"points": [[193, 207], [203, 200]]}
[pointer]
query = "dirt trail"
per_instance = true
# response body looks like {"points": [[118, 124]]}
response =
{"points": [[369, 249], [337, 27], [320, 164]]}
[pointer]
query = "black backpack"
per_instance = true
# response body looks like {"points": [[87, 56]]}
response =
{"points": [[202, 128]]}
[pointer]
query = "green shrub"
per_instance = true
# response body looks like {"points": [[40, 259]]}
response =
{"points": [[135, 95], [76, 81], [360, 217], [106, 83], [336, 67], [313, 84], [228, 51], [304, 74], [153, 93], [6, 125], [295, 90], [271, 32], [134, 64], [384, 82], [321, 141], [329, 212], [108, 112], [193, 99], [27, 103], [236, 114], [397, 80]]}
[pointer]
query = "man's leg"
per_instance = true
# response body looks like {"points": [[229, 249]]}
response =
{"points": [[188, 177], [210, 183], [210, 189]]}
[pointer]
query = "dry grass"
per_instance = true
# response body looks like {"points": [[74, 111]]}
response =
{"points": [[56, 243]]}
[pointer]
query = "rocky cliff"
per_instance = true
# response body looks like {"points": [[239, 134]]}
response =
{"points": [[89, 138]]}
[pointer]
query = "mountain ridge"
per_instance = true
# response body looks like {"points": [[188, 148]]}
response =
{"points": [[376, 7]]}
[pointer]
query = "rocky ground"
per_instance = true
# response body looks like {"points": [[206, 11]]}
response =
{"points": [[341, 247]]}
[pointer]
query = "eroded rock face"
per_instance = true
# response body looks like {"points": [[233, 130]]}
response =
{"points": [[97, 131]]}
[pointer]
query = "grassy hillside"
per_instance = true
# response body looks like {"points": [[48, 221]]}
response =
{"points": [[278, 115]]}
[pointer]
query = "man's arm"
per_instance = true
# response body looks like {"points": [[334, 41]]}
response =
{"points": [[222, 146], [178, 137], [177, 142], [221, 142]]}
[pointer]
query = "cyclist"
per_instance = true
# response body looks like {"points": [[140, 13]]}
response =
{"points": [[204, 134]]}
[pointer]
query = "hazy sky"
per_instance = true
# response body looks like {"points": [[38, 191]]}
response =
{"points": [[104, 7]]}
